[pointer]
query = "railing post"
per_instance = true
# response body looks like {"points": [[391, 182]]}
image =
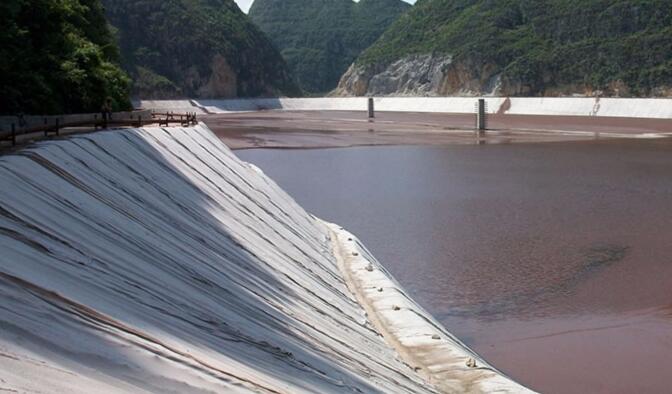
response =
{"points": [[13, 134], [57, 124], [372, 113]]}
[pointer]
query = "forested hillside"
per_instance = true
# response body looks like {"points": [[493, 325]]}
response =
{"points": [[196, 48], [319, 39], [521, 47], [58, 57]]}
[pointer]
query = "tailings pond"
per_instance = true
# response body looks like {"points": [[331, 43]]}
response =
{"points": [[553, 261]]}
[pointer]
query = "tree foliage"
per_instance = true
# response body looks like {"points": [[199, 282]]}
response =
{"points": [[319, 39], [58, 56], [542, 44], [168, 47]]}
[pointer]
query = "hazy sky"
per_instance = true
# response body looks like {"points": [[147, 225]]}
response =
{"points": [[245, 4]]}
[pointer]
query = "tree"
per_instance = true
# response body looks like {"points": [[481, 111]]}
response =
{"points": [[58, 56]]}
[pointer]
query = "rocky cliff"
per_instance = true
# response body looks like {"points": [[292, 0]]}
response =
{"points": [[319, 39], [199, 48], [520, 47]]}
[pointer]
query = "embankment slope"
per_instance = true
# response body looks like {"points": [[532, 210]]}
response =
{"points": [[153, 260]]}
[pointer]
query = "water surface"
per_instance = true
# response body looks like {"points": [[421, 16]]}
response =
{"points": [[551, 260]]}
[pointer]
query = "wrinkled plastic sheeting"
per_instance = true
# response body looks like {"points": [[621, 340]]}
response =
{"points": [[154, 260]]}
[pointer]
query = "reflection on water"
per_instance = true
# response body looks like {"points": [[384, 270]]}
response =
{"points": [[504, 242]]}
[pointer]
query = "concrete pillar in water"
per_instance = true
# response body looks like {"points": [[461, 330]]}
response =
{"points": [[480, 116], [371, 109]]}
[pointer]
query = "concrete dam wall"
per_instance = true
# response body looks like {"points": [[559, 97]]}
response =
{"points": [[568, 106], [153, 260]]}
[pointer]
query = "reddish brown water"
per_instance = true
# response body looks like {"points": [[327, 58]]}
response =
{"points": [[325, 129], [554, 261]]}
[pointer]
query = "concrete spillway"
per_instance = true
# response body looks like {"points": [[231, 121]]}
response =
{"points": [[154, 260]]}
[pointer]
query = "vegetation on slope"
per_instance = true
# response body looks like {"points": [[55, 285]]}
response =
{"points": [[58, 56], [196, 48], [319, 39], [542, 46]]}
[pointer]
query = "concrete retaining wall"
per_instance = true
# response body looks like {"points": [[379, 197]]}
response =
{"points": [[632, 108], [564, 106], [178, 106], [288, 104]]}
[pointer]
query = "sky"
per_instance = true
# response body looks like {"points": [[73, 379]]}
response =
{"points": [[245, 4]]}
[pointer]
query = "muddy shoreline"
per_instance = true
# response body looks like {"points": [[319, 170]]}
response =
{"points": [[330, 129]]}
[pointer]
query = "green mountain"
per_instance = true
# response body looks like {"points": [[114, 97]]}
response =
{"points": [[321, 38], [196, 48], [57, 57], [521, 47]]}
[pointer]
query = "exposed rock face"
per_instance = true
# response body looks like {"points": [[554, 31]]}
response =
{"points": [[420, 75], [222, 82], [412, 75]]}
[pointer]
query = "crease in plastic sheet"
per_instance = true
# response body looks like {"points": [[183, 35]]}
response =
{"points": [[153, 260]]}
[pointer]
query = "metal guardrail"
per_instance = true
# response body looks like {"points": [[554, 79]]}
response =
{"points": [[12, 127]]}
